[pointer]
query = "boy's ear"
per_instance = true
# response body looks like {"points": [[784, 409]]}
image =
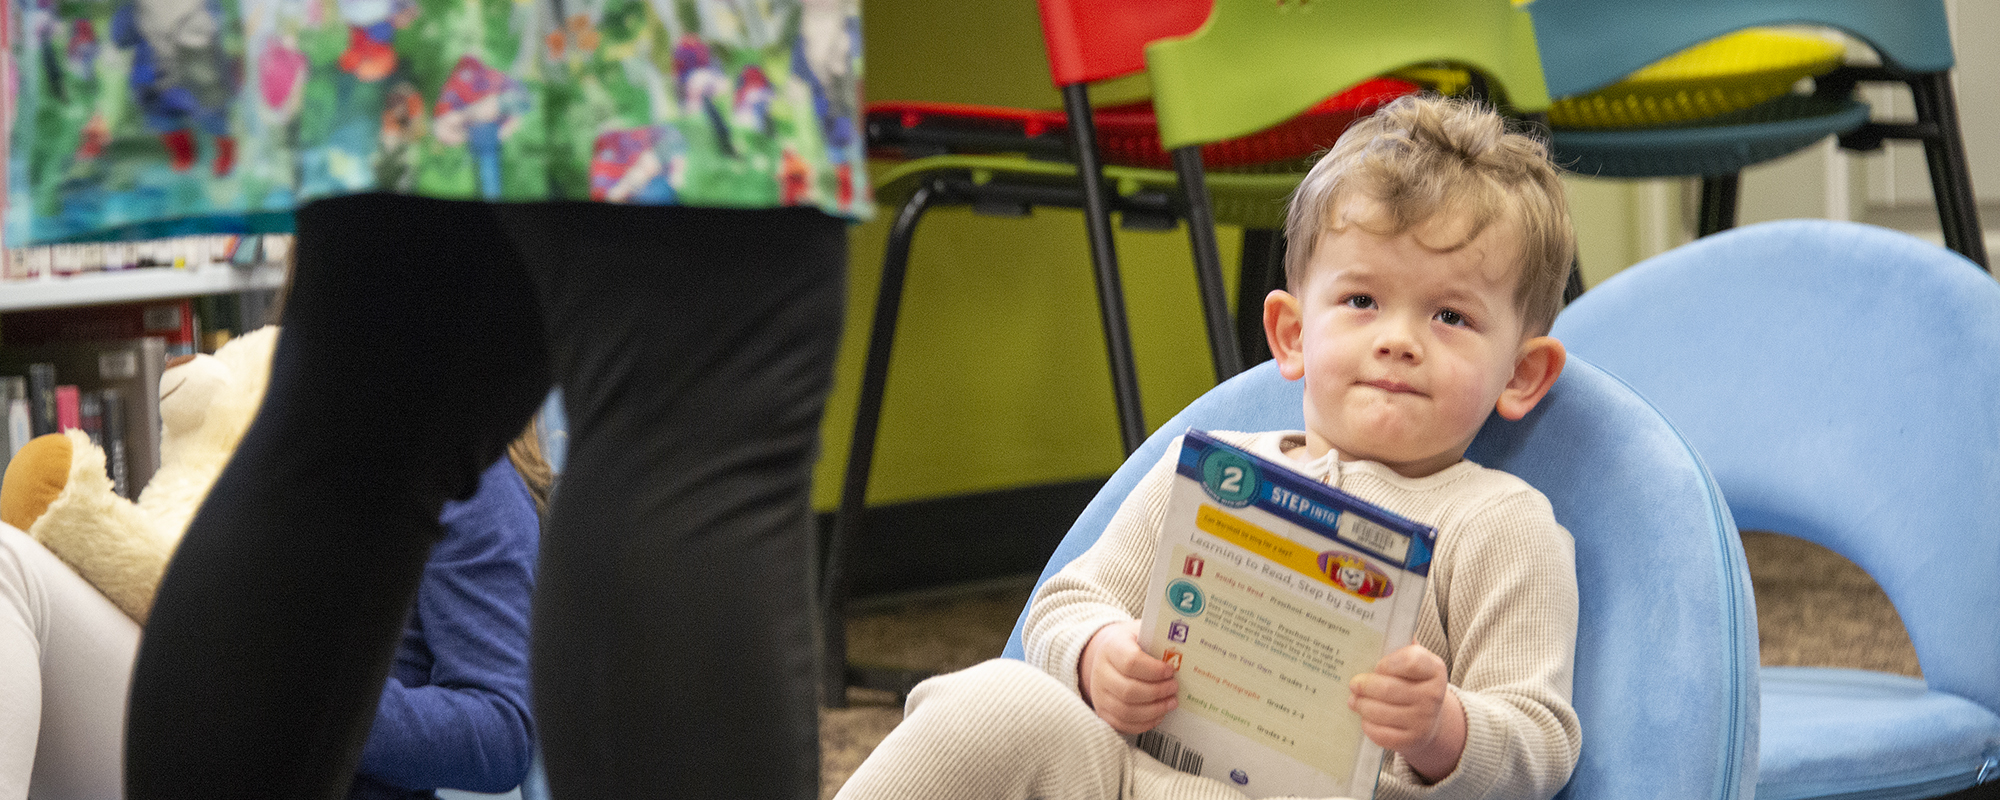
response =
{"points": [[1535, 370], [1283, 327]]}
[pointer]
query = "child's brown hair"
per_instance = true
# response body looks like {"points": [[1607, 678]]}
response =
{"points": [[1424, 156]]}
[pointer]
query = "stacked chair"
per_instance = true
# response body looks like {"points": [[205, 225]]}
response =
{"points": [[1256, 86], [1839, 379], [1727, 104]]}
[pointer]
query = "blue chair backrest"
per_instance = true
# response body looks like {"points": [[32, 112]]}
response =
{"points": [[1843, 383], [1588, 44], [1667, 642]]}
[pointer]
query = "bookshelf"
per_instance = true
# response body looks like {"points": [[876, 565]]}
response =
{"points": [[134, 285]]}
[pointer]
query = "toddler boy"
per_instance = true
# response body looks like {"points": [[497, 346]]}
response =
{"points": [[1426, 258]]}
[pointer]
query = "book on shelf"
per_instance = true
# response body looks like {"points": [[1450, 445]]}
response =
{"points": [[14, 424], [41, 397], [121, 375], [1268, 592], [69, 411], [173, 320], [117, 458]]}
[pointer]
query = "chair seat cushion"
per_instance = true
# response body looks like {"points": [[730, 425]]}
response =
{"points": [[1717, 146], [1127, 134], [1728, 74], [1857, 734]]}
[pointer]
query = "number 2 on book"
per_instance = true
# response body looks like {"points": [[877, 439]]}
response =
{"points": [[1232, 479]]}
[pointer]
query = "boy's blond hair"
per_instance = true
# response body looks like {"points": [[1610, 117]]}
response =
{"points": [[1423, 156]]}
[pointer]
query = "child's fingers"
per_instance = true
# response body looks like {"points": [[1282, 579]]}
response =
{"points": [[1121, 651], [1412, 663], [1129, 689], [1132, 706], [1137, 664], [1393, 737], [1136, 717], [1130, 692], [1388, 689], [1392, 725]]}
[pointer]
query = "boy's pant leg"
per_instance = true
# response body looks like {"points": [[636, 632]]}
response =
{"points": [[1003, 730], [1000, 730]]}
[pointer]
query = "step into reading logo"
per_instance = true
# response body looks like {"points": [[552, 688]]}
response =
{"points": [[1229, 477]]}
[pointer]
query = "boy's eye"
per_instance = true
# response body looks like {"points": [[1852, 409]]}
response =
{"points": [[1450, 317], [1360, 301]]}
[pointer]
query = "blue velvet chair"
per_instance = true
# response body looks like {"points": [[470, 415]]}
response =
{"points": [[1667, 641], [1843, 383]]}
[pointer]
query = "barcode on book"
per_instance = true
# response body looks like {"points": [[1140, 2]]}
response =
{"points": [[1375, 537], [1169, 751]]}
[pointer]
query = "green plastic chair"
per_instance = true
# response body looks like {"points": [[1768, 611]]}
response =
{"points": [[1588, 44], [1256, 62]]}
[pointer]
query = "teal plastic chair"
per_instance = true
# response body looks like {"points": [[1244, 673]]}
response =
{"points": [[1666, 656], [1588, 44], [1839, 379]]}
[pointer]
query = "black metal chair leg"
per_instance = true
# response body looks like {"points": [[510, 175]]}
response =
{"points": [[1263, 270], [1718, 203], [1207, 263], [1951, 181], [847, 521], [1104, 257]]}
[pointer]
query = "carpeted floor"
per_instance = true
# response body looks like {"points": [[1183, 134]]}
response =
{"points": [[1814, 608]]}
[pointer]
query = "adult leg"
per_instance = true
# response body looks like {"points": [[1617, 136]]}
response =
{"points": [[65, 661], [412, 352], [673, 650]]}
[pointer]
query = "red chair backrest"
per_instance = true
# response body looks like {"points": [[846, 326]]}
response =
{"points": [[1092, 40]]}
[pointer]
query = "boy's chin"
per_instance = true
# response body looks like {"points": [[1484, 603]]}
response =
{"points": [[1412, 462]]}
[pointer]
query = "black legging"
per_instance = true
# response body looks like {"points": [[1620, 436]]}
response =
{"points": [[673, 640]]}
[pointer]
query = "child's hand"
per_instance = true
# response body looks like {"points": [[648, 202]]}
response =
{"points": [[1128, 688], [1405, 706]]}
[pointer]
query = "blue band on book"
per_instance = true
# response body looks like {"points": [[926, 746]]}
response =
{"points": [[1237, 478]]}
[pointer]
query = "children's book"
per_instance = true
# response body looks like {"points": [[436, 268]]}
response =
{"points": [[1269, 591]]}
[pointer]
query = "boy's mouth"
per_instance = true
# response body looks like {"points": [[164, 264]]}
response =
{"points": [[1392, 386]]}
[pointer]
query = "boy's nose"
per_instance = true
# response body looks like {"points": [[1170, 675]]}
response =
{"points": [[1396, 340]]}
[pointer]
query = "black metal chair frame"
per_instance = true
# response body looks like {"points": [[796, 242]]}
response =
{"points": [[1937, 127], [1015, 195]]}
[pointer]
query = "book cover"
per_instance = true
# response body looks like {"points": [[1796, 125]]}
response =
{"points": [[116, 459], [90, 417], [132, 366], [41, 397], [1269, 591], [69, 410], [14, 405]]}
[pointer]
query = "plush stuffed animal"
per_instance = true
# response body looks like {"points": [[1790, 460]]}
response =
{"points": [[57, 489]]}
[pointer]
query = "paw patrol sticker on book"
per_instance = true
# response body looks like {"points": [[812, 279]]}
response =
{"points": [[1270, 590], [1352, 574]]}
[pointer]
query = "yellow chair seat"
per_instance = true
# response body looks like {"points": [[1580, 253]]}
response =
{"points": [[1727, 74]]}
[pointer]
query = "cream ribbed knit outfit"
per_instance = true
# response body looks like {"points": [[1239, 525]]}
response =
{"points": [[1500, 610]]}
